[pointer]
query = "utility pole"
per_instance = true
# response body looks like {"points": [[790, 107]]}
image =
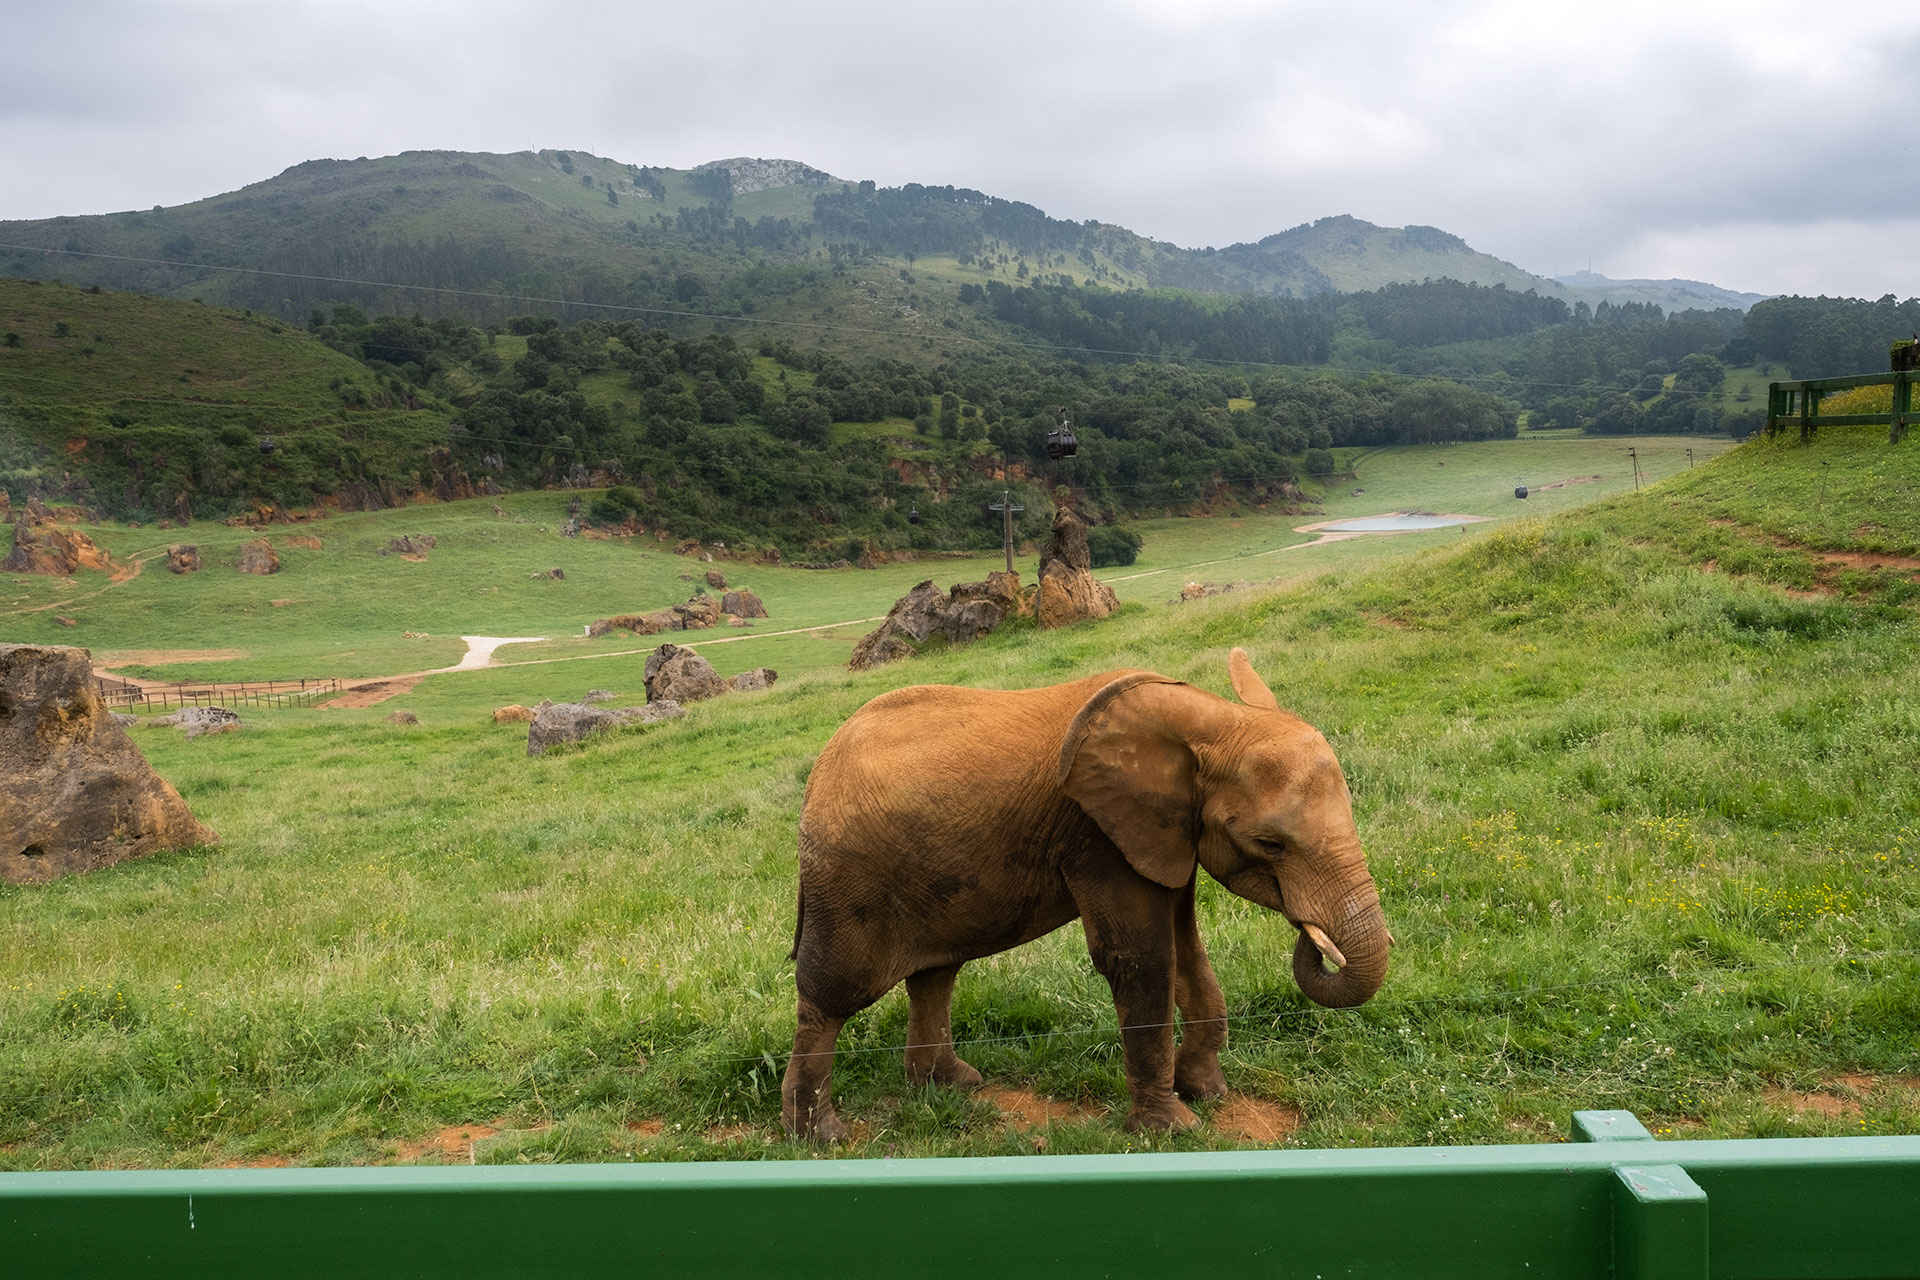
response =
{"points": [[1635, 457], [1006, 509]]}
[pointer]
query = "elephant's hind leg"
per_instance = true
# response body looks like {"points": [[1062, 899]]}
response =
{"points": [[806, 1094], [930, 1055], [1203, 1010]]}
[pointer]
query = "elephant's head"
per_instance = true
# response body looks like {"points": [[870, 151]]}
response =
{"points": [[1177, 776]]}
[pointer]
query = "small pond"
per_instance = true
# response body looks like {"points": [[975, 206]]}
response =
{"points": [[1389, 524]]}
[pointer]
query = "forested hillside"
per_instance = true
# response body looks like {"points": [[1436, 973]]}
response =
{"points": [[758, 352]]}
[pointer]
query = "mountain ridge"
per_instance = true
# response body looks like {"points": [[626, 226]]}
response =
{"points": [[587, 228]]}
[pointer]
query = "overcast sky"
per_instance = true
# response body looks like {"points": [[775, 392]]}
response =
{"points": [[1759, 146]]}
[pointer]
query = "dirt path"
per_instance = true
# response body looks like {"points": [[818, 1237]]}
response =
{"points": [[126, 573]]}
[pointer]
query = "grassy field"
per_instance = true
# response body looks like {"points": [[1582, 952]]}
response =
{"points": [[1635, 780]]}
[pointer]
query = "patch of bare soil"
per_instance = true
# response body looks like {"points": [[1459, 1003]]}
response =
{"points": [[1256, 1119], [1824, 1104], [648, 1128], [1867, 560], [730, 1132], [454, 1143], [306, 542], [371, 694], [279, 604], [1570, 480], [258, 1162], [1022, 1109], [165, 657], [414, 557]]}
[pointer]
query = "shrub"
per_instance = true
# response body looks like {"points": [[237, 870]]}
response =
{"points": [[1318, 462], [1111, 544]]}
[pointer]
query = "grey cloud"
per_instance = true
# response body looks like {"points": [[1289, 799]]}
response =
{"points": [[1543, 136]]}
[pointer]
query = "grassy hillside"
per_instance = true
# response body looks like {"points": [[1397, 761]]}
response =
{"points": [[151, 399], [1632, 780]]}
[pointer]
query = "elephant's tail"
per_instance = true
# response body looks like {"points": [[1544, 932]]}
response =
{"points": [[799, 921]]}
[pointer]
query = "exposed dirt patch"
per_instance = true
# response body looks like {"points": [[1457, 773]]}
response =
{"points": [[258, 1162], [1570, 480], [1022, 1109], [730, 1132], [648, 1128], [413, 557], [1823, 1104], [166, 657], [306, 542], [1867, 560], [1389, 621], [370, 694], [1256, 1119], [279, 604], [453, 1143]]}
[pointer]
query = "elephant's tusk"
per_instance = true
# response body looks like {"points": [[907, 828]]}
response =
{"points": [[1327, 949]]}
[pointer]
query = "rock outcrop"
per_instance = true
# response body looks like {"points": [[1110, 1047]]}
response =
{"points": [[410, 546], [1068, 591], [717, 580], [740, 603], [512, 713], [697, 614], [194, 721], [754, 680], [558, 722], [258, 556], [676, 674], [968, 611], [183, 557], [75, 794], [41, 547]]}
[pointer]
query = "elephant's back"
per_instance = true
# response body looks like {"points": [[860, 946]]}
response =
{"points": [[942, 755]]}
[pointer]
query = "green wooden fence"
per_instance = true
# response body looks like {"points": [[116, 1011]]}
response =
{"points": [[1614, 1203], [1798, 404]]}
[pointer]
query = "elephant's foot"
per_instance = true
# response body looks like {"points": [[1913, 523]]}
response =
{"points": [[1199, 1079], [1168, 1116], [948, 1071], [817, 1124]]}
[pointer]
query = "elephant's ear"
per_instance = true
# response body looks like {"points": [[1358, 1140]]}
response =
{"points": [[1247, 684], [1126, 764]]}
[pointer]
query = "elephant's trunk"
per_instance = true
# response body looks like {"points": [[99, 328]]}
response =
{"points": [[1362, 942]]}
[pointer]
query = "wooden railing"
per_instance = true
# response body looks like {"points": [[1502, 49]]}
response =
{"points": [[201, 693], [1798, 403]]}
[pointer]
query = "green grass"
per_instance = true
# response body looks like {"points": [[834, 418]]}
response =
{"points": [[1645, 835]]}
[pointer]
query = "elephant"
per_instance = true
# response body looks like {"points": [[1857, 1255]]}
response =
{"points": [[942, 824]]}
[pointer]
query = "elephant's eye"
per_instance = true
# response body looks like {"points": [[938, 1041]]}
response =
{"points": [[1271, 844]]}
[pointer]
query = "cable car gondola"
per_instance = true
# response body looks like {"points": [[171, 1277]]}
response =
{"points": [[266, 444], [913, 515], [1060, 440], [1520, 490]]}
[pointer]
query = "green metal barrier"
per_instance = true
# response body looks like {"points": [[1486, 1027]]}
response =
{"points": [[1614, 1203]]}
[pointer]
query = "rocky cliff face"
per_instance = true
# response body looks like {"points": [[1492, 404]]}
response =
{"points": [[752, 174]]}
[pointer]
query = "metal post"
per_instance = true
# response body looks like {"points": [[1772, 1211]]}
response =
{"points": [[1636, 468]]}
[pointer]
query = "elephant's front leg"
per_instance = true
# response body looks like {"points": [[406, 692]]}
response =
{"points": [[1203, 1010], [806, 1094], [930, 1055], [1130, 935]]}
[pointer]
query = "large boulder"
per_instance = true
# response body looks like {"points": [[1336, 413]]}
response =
{"points": [[677, 674], [740, 603], [558, 722], [697, 614], [967, 612], [717, 580], [1068, 591], [183, 557], [258, 556], [749, 681], [75, 793], [40, 547]]}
